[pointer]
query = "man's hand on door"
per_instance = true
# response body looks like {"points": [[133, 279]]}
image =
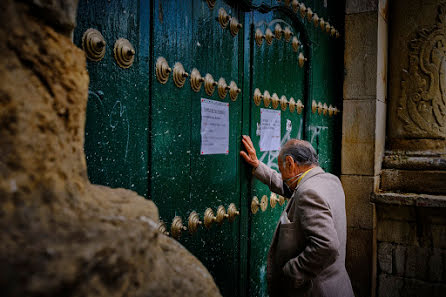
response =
{"points": [[250, 155]]}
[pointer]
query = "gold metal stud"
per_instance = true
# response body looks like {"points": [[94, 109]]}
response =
{"points": [[266, 98], [320, 108], [209, 84], [179, 75], [259, 37], [162, 70], [327, 27], [194, 222], [275, 100], [232, 212], [234, 26], [332, 31], [124, 53], [330, 111], [299, 106], [287, 33], [295, 43], [309, 14], [257, 97], [292, 105], [302, 60], [283, 103], [337, 34], [303, 9], [322, 23], [273, 200], [221, 214], [209, 218], [335, 112], [177, 227], [93, 44], [162, 228], [313, 106], [223, 17], [281, 200], [278, 31], [325, 109], [255, 204], [196, 80], [295, 5], [233, 91], [222, 88], [269, 36], [315, 20]]}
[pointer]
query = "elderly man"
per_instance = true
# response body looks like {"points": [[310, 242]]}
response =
{"points": [[307, 253]]}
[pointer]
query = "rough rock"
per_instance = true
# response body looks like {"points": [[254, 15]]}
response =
{"points": [[61, 235]]}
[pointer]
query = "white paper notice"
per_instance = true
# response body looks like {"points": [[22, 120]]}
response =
{"points": [[269, 130], [214, 127]]}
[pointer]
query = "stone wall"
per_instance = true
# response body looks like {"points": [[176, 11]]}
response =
{"points": [[363, 133], [411, 251]]}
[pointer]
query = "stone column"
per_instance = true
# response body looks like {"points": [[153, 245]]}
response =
{"points": [[363, 133]]}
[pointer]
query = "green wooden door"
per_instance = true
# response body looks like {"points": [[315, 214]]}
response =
{"points": [[144, 131], [116, 135], [183, 179]]}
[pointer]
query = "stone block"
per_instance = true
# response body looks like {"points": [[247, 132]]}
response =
{"points": [[358, 137], [360, 56], [396, 213], [397, 232], [357, 200], [439, 236], [435, 267], [417, 262], [399, 259], [354, 6], [438, 290], [416, 288], [385, 251], [380, 135], [389, 286], [382, 49], [359, 259], [413, 181]]}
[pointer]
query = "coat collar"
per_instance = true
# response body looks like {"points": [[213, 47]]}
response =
{"points": [[315, 171]]}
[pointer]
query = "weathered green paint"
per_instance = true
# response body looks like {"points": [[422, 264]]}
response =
{"points": [[116, 134], [163, 159]]}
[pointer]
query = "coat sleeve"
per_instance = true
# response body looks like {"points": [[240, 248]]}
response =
{"points": [[322, 240], [272, 179]]}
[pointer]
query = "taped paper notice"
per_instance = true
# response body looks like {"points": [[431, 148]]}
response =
{"points": [[214, 127], [269, 130]]}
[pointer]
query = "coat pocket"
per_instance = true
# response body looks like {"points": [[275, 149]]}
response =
{"points": [[287, 243]]}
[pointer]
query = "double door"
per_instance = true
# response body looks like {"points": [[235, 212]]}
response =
{"points": [[144, 128]]}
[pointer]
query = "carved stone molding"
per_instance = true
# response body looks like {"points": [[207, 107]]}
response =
{"points": [[422, 103]]}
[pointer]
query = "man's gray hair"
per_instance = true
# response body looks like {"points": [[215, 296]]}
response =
{"points": [[301, 151]]}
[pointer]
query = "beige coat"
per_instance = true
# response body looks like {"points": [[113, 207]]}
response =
{"points": [[307, 255]]}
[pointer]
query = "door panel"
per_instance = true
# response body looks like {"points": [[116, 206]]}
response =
{"points": [[116, 140], [183, 180], [275, 68]]}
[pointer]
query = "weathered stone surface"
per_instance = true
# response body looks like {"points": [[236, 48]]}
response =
{"points": [[360, 57], [358, 207], [359, 259], [358, 139], [399, 259], [60, 234], [397, 232], [420, 200], [389, 286], [410, 181], [355, 6], [385, 251], [435, 265]]}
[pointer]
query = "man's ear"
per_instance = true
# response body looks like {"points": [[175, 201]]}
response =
{"points": [[290, 161]]}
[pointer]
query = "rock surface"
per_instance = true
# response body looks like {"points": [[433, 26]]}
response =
{"points": [[61, 235]]}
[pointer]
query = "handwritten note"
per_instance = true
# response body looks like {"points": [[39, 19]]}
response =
{"points": [[214, 127], [269, 130]]}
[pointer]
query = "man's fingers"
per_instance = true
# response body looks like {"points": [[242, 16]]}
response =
{"points": [[245, 156]]}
